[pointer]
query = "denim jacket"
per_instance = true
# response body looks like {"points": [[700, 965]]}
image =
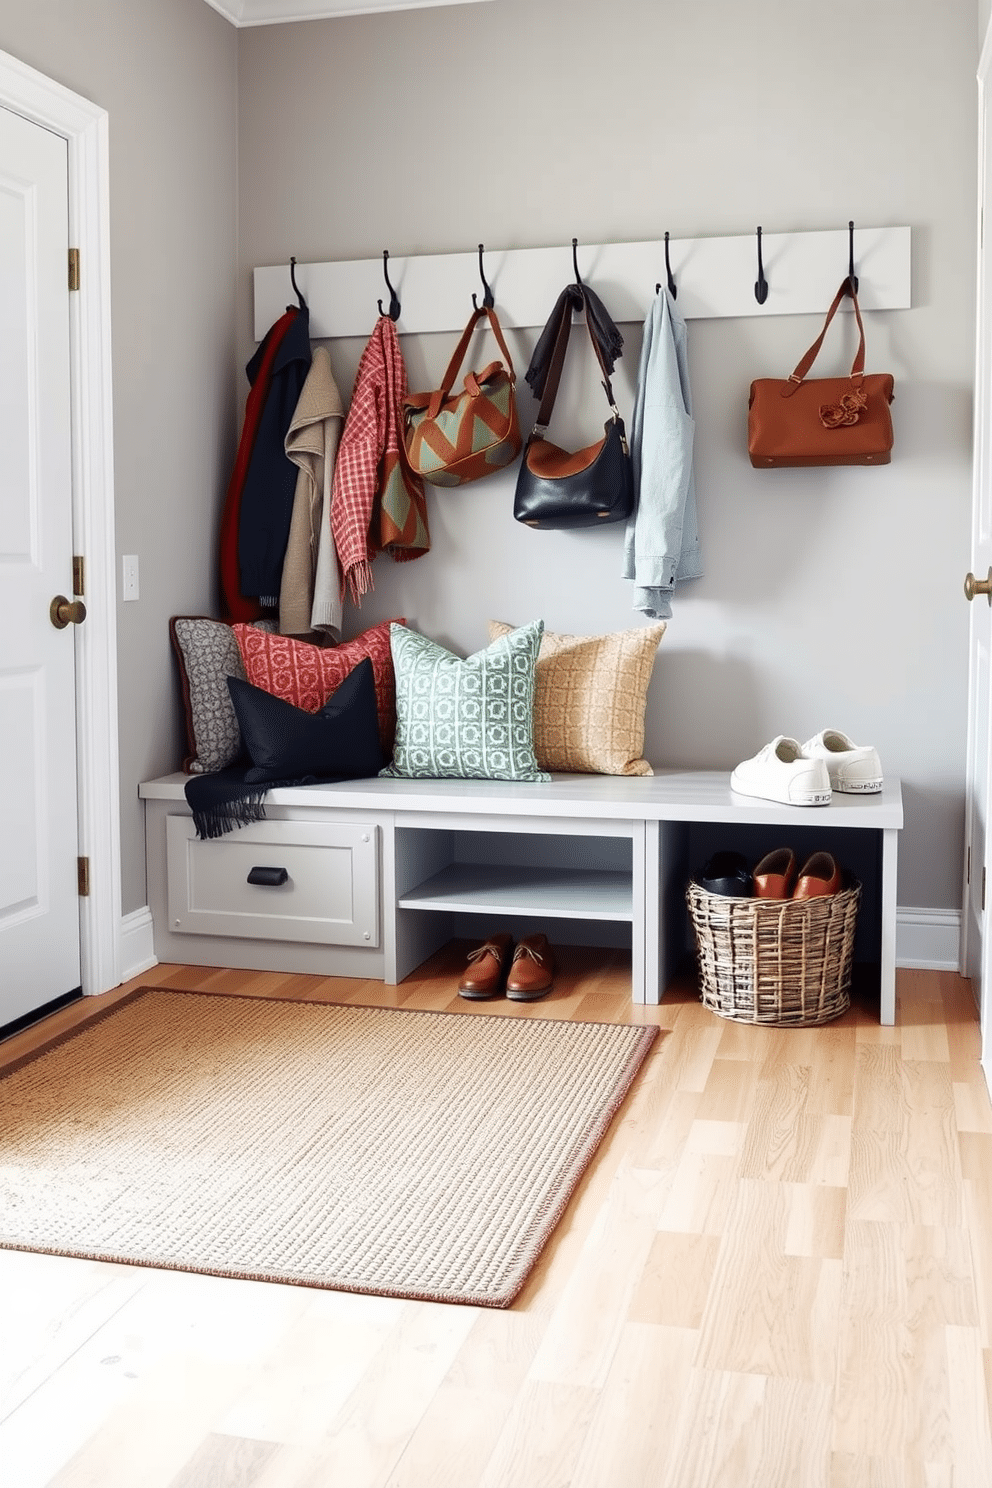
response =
{"points": [[661, 542]]}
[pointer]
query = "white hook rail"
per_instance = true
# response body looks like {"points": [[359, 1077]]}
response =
{"points": [[714, 277]]}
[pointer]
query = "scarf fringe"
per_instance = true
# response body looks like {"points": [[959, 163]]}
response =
{"points": [[223, 816], [359, 579]]}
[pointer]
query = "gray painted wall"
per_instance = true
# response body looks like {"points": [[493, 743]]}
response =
{"points": [[830, 597], [166, 72]]}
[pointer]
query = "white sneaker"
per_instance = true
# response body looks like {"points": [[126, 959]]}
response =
{"points": [[853, 768], [782, 772]]}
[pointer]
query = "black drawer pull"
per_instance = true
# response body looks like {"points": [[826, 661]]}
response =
{"points": [[270, 878]]}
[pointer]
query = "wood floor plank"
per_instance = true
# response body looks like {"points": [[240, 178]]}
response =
{"points": [[730, 1091], [312, 1368], [782, 1136], [581, 1336], [769, 1312], [817, 1220], [910, 1173], [543, 1438], [147, 1441], [48, 1312], [976, 1166], [225, 1462], [972, 1107], [971, 1436], [458, 1432], [879, 1091], [691, 1048], [702, 1187], [675, 1281], [363, 1442], [743, 1430], [646, 1384], [832, 1072], [874, 1345], [851, 1470]]}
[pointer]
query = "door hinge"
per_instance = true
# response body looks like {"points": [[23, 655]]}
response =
{"points": [[78, 575], [967, 867], [73, 268], [83, 877], [983, 891]]}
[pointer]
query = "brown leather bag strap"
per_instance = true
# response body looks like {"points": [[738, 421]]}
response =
{"points": [[458, 356], [858, 366], [557, 362]]}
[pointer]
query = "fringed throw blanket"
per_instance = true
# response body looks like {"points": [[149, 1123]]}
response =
{"points": [[225, 800]]}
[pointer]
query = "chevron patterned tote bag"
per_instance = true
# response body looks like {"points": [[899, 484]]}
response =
{"points": [[452, 438]]}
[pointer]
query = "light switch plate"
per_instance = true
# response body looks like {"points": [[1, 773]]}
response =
{"points": [[129, 576]]}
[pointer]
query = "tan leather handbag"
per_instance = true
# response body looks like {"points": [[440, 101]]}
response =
{"points": [[826, 421]]}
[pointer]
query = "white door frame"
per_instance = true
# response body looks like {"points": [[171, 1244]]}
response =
{"points": [[85, 128]]}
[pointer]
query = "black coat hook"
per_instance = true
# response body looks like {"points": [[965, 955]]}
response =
{"points": [[761, 283], [575, 259], [394, 304], [850, 270], [296, 287], [673, 288], [488, 298]]}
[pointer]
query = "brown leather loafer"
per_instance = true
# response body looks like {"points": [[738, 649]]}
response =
{"points": [[820, 876], [775, 876], [532, 971], [486, 969]]}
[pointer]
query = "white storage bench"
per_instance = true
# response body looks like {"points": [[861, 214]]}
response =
{"points": [[367, 878]]}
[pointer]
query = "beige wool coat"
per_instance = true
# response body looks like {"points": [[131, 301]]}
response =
{"points": [[310, 592]]}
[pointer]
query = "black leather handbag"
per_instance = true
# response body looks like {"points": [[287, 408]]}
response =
{"points": [[559, 488]]}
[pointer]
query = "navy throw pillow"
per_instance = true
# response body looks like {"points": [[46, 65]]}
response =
{"points": [[340, 742]]}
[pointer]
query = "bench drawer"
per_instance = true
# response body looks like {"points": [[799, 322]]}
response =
{"points": [[310, 881]]}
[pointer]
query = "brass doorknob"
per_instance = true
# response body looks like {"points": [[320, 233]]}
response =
{"points": [[973, 586], [65, 612]]}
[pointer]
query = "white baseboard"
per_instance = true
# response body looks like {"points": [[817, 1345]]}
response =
{"points": [[928, 939], [137, 943]]}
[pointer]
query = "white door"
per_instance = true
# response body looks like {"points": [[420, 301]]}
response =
{"points": [[39, 907]]}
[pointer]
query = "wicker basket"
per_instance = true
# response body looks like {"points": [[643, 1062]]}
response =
{"points": [[781, 961]]}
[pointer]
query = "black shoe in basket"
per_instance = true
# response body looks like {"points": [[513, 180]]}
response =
{"points": [[727, 873]]}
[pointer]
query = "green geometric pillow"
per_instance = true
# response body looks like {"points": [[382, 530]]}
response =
{"points": [[470, 719]]}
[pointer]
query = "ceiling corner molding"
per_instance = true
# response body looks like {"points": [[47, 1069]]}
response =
{"points": [[281, 12]]}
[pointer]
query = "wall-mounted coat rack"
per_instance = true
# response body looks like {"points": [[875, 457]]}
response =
{"points": [[715, 277]]}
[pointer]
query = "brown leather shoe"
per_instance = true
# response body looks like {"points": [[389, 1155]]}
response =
{"points": [[775, 876], [487, 966], [820, 876], [532, 971]]}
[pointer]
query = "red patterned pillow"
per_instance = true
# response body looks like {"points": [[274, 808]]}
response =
{"points": [[306, 675]]}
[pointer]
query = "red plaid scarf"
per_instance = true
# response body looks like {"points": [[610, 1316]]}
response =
{"points": [[377, 503]]}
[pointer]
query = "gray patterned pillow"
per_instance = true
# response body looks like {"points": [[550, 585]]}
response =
{"points": [[208, 654], [470, 719]]}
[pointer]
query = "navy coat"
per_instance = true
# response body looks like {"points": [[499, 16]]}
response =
{"points": [[270, 485]]}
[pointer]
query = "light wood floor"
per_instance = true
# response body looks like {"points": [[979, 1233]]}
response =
{"points": [[776, 1274]]}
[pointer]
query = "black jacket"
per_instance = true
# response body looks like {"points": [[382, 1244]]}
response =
{"points": [[270, 485]]}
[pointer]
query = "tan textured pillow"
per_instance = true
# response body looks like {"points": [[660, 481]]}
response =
{"points": [[590, 693]]}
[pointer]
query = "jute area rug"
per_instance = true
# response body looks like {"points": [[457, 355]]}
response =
{"points": [[401, 1153]]}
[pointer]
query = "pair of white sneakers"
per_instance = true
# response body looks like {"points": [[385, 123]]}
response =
{"points": [[807, 774]]}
